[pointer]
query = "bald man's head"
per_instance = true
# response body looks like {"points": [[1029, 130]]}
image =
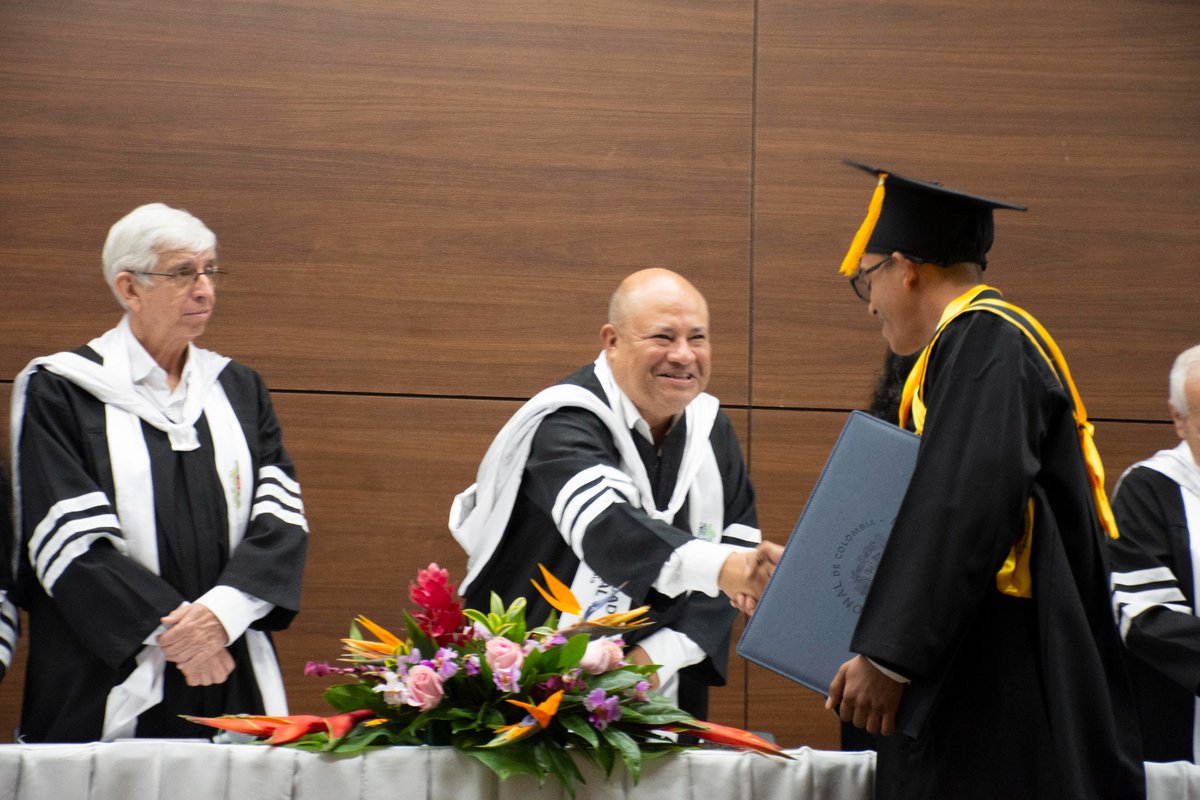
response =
{"points": [[657, 344], [648, 283]]}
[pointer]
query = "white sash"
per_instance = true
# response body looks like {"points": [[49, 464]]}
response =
{"points": [[480, 515]]}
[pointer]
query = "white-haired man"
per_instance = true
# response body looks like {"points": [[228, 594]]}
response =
{"points": [[160, 531], [1157, 506]]}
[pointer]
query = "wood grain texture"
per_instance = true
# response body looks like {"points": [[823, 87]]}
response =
{"points": [[410, 198], [1087, 117]]}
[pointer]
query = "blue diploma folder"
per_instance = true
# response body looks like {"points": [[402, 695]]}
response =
{"points": [[806, 617]]}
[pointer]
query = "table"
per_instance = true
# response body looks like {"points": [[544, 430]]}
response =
{"points": [[183, 770], [187, 770]]}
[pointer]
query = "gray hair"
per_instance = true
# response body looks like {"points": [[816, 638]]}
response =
{"points": [[1186, 366], [136, 239]]}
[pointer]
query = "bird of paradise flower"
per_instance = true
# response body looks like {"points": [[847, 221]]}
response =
{"points": [[538, 719], [561, 598], [389, 644]]}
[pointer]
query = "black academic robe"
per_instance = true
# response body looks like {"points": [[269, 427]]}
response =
{"points": [[1163, 641], [84, 635], [8, 611], [1031, 696], [623, 544]]}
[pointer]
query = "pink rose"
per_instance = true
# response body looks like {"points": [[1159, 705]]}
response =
{"points": [[602, 655], [424, 687], [503, 654]]}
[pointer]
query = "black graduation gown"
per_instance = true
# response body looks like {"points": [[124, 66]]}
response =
{"points": [[622, 544], [1163, 645], [1031, 695], [83, 640]]}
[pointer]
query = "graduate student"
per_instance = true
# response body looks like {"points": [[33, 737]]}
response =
{"points": [[161, 531], [1155, 574], [626, 479], [990, 606]]}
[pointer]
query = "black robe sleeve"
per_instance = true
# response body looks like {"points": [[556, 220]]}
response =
{"points": [[572, 447], [1152, 577]]}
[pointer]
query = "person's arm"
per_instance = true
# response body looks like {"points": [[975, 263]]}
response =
{"points": [[573, 474], [1156, 617], [72, 543]]}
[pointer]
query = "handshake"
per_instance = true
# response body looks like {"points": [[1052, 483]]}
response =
{"points": [[744, 574]]}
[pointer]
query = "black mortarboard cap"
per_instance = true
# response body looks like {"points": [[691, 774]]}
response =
{"points": [[926, 221]]}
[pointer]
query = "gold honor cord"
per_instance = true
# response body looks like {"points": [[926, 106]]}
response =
{"points": [[1013, 577]]}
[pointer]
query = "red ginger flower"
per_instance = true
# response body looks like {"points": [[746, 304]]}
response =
{"points": [[441, 619]]}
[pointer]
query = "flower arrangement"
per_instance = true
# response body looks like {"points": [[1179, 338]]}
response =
{"points": [[519, 700]]}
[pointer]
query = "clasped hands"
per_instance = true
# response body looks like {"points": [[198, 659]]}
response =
{"points": [[195, 642], [744, 575]]}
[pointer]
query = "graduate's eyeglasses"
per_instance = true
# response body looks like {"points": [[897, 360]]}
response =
{"points": [[187, 276], [861, 287]]}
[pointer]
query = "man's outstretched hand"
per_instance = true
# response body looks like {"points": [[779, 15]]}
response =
{"points": [[744, 575]]}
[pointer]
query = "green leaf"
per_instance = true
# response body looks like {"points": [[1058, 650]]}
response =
{"points": [[535, 667], [653, 751], [631, 754], [516, 617], [497, 605], [360, 741], [571, 653], [653, 714], [603, 756], [353, 696], [560, 764], [581, 728], [615, 681], [514, 759], [476, 616], [417, 637]]}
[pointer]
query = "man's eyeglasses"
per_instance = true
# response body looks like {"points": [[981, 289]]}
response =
{"points": [[187, 276], [861, 287]]}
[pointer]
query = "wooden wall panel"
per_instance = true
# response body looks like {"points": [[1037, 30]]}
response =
{"points": [[399, 188], [424, 209], [1083, 111]]}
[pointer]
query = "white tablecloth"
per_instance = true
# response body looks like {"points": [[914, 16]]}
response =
{"points": [[181, 770], [170, 770]]}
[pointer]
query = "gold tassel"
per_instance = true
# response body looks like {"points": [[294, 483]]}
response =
{"points": [[859, 245]]}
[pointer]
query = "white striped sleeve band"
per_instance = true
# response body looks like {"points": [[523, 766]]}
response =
{"points": [[1143, 576], [69, 528], [279, 495], [585, 496], [8, 630], [1139, 591]]}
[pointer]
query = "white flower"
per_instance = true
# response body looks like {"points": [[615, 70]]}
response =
{"points": [[394, 690]]}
